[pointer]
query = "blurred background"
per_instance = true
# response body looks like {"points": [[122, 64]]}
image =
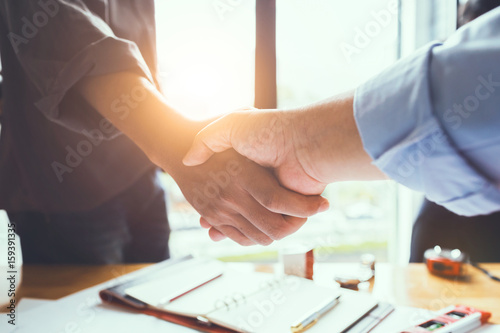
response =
{"points": [[207, 59]]}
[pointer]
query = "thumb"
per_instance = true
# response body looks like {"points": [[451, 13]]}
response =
{"points": [[214, 138]]}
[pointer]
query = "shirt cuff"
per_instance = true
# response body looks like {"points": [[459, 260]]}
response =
{"points": [[105, 56], [399, 130]]}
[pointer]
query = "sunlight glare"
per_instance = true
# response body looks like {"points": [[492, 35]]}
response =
{"points": [[206, 65]]}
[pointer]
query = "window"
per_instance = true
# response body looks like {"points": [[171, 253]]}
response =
{"points": [[206, 55], [327, 47], [324, 47]]}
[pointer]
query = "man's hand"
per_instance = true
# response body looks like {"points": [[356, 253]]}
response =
{"points": [[307, 148], [267, 137], [244, 201]]}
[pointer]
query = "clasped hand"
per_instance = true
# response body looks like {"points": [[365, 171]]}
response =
{"points": [[288, 188]]}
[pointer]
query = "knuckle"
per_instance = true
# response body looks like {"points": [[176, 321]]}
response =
{"points": [[262, 239], [227, 197], [219, 212], [310, 207], [269, 200], [214, 220], [233, 233], [256, 236], [214, 223], [271, 225], [280, 229], [276, 233], [226, 218], [279, 236], [266, 241]]}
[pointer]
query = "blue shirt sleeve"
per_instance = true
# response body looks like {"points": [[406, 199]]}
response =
{"points": [[432, 121]]}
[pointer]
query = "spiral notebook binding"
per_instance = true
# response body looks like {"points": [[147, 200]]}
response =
{"points": [[229, 302]]}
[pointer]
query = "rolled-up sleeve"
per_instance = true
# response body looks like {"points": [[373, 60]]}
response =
{"points": [[432, 121], [57, 43]]}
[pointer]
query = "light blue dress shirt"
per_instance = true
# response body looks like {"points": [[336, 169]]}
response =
{"points": [[432, 121]]}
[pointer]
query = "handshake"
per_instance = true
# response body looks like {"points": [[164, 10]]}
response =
{"points": [[277, 164]]}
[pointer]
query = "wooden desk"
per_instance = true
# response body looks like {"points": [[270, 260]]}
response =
{"points": [[415, 286], [54, 282], [411, 285]]}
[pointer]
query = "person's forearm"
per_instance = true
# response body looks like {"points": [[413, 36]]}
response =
{"points": [[328, 141], [238, 198], [308, 147], [137, 109]]}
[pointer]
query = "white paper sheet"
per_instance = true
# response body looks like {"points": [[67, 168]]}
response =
{"points": [[488, 329], [83, 312], [30, 303], [24, 305], [177, 280]]}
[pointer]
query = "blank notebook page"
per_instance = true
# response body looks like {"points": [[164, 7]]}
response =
{"points": [[275, 311], [231, 285]]}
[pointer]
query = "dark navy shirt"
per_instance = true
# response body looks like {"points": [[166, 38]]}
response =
{"points": [[57, 153]]}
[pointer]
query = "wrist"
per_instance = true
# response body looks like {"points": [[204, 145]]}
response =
{"points": [[325, 138], [336, 146]]}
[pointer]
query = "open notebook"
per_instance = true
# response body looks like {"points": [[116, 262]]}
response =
{"points": [[233, 301]]}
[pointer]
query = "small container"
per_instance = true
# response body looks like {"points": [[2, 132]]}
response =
{"points": [[298, 261], [446, 262]]}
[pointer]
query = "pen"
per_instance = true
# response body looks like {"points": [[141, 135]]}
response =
{"points": [[195, 286], [189, 288], [311, 319]]}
